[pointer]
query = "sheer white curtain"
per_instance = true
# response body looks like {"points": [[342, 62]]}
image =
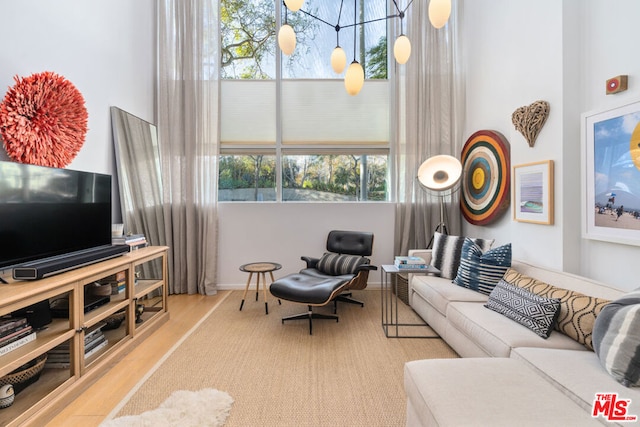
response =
{"points": [[188, 93], [430, 118]]}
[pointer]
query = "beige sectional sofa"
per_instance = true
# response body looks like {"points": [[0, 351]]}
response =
{"points": [[507, 374]]}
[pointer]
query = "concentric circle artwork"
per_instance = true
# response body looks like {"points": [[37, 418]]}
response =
{"points": [[486, 180], [43, 120]]}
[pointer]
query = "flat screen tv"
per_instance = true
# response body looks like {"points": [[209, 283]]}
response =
{"points": [[51, 214]]}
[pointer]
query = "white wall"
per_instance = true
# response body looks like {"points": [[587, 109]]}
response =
{"points": [[106, 48], [561, 52], [283, 232], [515, 52]]}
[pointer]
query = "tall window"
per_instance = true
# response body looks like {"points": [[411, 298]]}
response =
{"points": [[289, 130]]}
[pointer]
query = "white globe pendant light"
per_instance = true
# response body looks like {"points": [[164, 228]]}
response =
{"points": [[354, 79], [338, 60], [439, 12], [402, 49], [287, 39], [293, 5]]}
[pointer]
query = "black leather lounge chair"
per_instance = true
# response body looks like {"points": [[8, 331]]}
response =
{"points": [[342, 268]]}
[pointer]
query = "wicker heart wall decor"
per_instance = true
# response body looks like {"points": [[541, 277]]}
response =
{"points": [[529, 120], [43, 120]]}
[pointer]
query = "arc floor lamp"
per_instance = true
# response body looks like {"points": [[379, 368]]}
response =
{"points": [[440, 175]]}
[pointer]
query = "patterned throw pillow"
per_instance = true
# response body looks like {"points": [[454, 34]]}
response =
{"points": [[446, 252], [336, 265], [530, 310], [578, 312], [616, 339], [482, 271]]}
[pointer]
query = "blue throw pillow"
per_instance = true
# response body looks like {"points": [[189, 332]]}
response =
{"points": [[482, 271]]}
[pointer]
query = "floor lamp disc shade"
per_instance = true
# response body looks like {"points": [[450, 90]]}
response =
{"points": [[354, 79], [439, 12], [440, 173], [338, 60], [294, 5], [287, 39]]}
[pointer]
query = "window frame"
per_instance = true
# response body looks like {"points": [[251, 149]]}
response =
{"points": [[281, 148]]}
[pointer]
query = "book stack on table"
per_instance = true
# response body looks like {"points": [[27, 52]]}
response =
{"points": [[94, 341], [409, 262], [14, 333], [135, 241]]}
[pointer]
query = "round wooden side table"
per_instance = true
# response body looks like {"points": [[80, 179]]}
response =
{"points": [[261, 268]]}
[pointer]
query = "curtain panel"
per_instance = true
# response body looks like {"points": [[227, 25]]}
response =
{"points": [[429, 109], [188, 90]]}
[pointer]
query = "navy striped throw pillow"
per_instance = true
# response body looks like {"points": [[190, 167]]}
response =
{"points": [[336, 265], [482, 271], [447, 250]]}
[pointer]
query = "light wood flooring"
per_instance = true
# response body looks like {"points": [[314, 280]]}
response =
{"points": [[100, 398]]}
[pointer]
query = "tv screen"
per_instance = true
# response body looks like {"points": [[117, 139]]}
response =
{"points": [[46, 212]]}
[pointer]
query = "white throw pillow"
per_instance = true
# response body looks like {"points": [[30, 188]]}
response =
{"points": [[446, 252]]}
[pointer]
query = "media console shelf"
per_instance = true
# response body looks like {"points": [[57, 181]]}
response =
{"points": [[82, 343]]}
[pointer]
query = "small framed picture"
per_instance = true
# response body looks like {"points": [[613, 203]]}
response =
{"points": [[533, 192]]}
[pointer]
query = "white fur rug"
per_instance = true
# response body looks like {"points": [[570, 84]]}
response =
{"points": [[204, 408]]}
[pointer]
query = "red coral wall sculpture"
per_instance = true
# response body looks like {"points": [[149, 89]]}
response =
{"points": [[43, 120]]}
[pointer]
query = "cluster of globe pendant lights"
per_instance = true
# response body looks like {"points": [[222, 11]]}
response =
{"points": [[439, 12]]}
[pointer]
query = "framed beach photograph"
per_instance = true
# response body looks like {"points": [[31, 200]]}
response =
{"points": [[533, 192], [611, 174]]}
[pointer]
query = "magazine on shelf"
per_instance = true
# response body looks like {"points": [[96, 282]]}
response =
{"points": [[95, 331], [96, 349], [19, 332], [88, 347], [10, 324], [19, 342]]}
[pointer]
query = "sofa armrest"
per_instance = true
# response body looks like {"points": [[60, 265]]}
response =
{"points": [[425, 254]]}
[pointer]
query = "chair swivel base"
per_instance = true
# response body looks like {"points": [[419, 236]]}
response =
{"points": [[347, 298], [311, 315]]}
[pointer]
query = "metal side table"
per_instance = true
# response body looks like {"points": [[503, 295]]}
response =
{"points": [[389, 293]]}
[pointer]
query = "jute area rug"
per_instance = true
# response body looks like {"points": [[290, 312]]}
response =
{"points": [[346, 374]]}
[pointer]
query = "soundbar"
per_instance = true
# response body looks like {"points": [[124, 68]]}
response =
{"points": [[55, 265]]}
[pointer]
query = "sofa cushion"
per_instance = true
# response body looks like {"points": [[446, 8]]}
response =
{"points": [[439, 292], [336, 264], [481, 270], [496, 334], [446, 252], [577, 311], [530, 310], [485, 392], [616, 339], [578, 374]]}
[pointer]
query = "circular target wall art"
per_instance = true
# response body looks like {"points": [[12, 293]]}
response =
{"points": [[43, 120], [486, 180]]}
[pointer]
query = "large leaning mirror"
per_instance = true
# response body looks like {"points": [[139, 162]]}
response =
{"points": [[139, 175]]}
